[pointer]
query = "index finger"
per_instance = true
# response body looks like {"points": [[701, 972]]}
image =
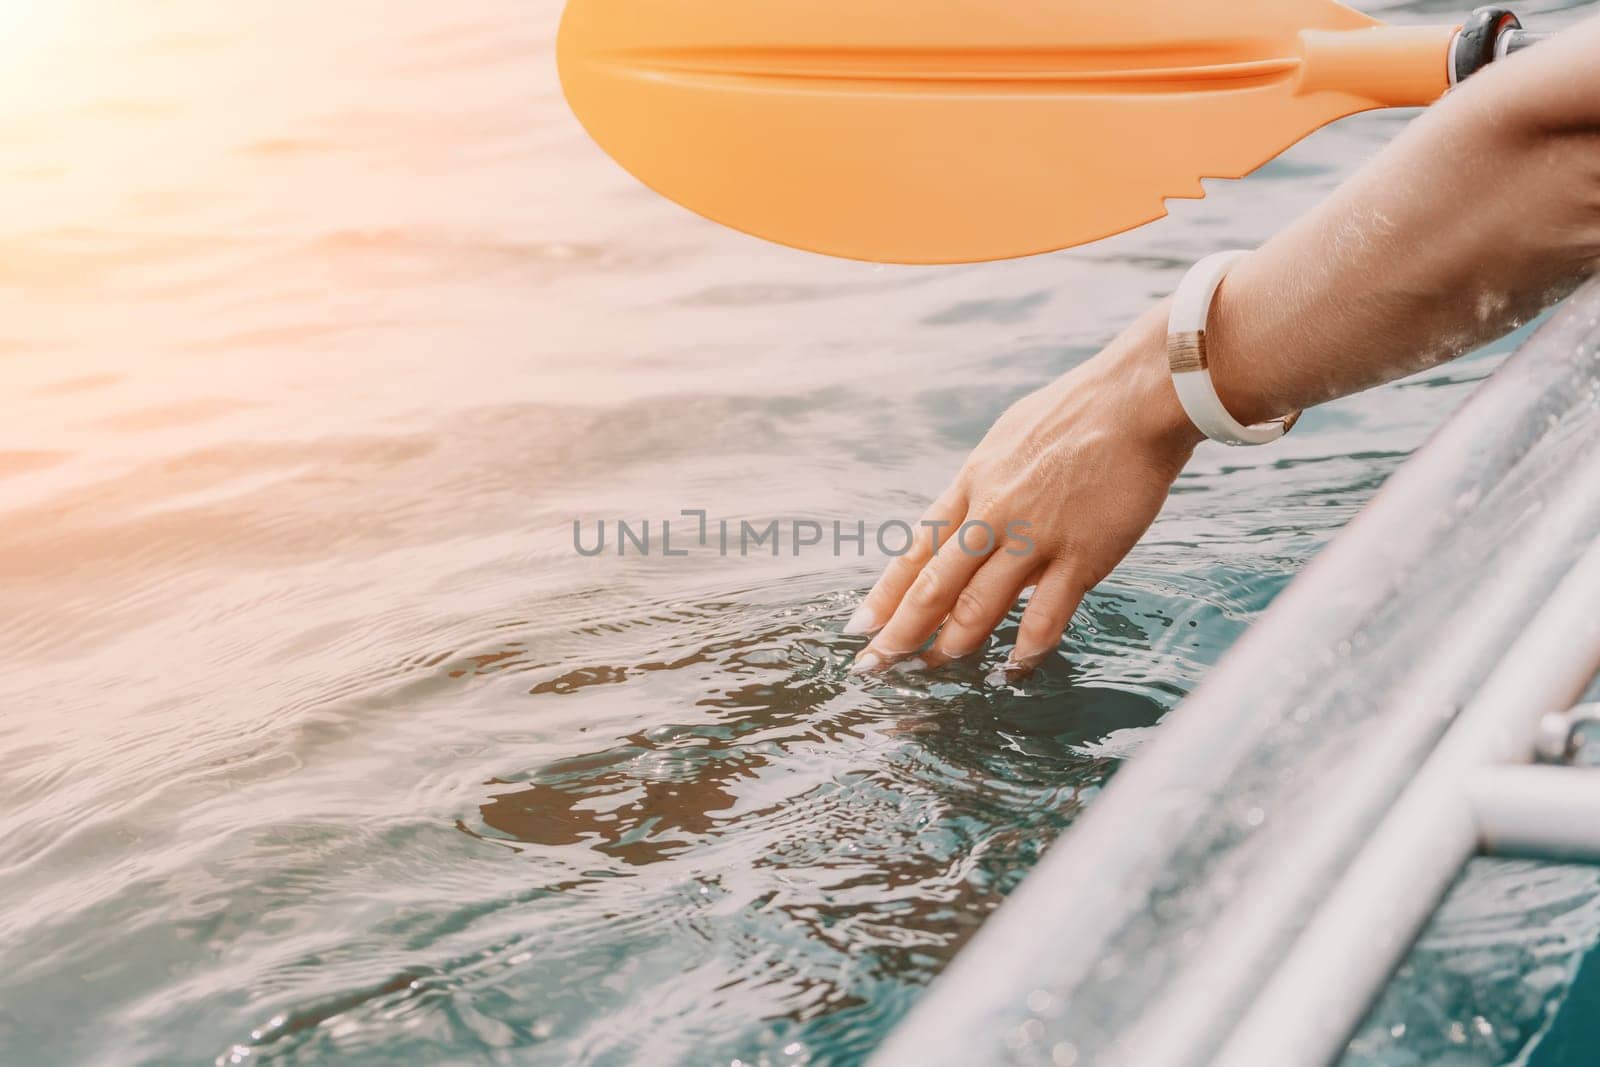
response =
{"points": [[937, 525]]}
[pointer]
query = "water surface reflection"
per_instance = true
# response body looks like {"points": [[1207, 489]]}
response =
{"points": [[320, 328]]}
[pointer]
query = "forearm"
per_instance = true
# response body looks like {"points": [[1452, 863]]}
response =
{"points": [[1485, 211]]}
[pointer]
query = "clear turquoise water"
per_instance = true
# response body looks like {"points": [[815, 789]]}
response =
{"points": [[322, 745]]}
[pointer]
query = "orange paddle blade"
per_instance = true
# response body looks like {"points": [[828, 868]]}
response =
{"points": [[941, 131]]}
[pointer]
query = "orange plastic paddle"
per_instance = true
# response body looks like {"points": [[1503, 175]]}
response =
{"points": [[938, 131]]}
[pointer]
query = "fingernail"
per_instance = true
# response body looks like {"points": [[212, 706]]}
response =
{"points": [[862, 623], [1016, 666], [867, 661]]}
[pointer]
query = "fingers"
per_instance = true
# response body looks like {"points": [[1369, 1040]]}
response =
{"points": [[930, 598], [938, 524], [1046, 617], [982, 605]]}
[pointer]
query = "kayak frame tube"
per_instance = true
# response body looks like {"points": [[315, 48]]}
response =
{"points": [[1319, 994], [1103, 894], [1248, 940], [1538, 812]]}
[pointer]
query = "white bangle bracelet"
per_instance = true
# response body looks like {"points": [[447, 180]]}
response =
{"points": [[1186, 356]]}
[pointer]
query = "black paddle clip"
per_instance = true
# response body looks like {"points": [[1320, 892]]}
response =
{"points": [[1490, 33]]}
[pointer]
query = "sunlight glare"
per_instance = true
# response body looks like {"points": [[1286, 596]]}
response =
{"points": [[27, 29]]}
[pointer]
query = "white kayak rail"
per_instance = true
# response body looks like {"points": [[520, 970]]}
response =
{"points": [[1469, 796], [1246, 883]]}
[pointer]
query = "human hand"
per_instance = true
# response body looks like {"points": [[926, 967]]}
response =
{"points": [[1068, 479]]}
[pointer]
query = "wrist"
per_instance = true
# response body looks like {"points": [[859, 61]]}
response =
{"points": [[1237, 336], [1137, 375]]}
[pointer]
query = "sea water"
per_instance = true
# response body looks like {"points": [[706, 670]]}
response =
{"points": [[322, 325]]}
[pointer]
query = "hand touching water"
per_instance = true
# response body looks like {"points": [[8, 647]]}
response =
{"points": [[1077, 472], [1387, 276]]}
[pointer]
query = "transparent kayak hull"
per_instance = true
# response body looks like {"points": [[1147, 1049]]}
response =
{"points": [[1189, 917]]}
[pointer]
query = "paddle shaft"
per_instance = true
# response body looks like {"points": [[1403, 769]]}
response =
{"points": [[1517, 40], [1398, 66]]}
